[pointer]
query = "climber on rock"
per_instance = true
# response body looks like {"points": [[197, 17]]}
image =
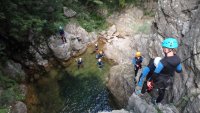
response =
{"points": [[147, 72], [137, 63], [165, 70], [62, 34]]}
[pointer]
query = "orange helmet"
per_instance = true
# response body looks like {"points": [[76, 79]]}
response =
{"points": [[138, 54]]}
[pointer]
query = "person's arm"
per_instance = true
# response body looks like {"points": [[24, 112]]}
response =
{"points": [[141, 59], [179, 68], [157, 71], [145, 72], [134, 61]]}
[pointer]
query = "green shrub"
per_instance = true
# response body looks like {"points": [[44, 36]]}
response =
{"points": [[144, 28], [7, 97], [4, 110], [149, 13], [6, 82], [92, 22], [10, 95]]}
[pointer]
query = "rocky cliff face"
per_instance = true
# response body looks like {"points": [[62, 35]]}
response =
{"points": [[120, 83], [179, 19], [77, 41]]}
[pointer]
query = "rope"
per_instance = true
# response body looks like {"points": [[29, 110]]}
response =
{"points": [[190, 57]]}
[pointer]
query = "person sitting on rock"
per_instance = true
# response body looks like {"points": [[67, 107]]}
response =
{"points": [[147, 72]]}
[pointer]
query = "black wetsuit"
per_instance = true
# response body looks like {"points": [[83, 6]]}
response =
{"points": [[137, 61], [147, 72], [163, 72]]}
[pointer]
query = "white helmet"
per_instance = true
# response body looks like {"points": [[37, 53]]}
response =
{"points": [[96, 44], [99, 60], [156, 61], [80, 59], [60, 27]]}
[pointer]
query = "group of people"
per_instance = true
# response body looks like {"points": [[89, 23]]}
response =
{"points": [[99, 56], [157, 75]]}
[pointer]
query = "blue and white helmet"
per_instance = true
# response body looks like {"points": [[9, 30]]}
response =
{"points": [[170, 43]]}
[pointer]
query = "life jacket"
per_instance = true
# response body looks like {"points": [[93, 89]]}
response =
{"points": [[80, 61], [151, 67], [61, 32], [170, 64], [100, 64], [138, 61]]}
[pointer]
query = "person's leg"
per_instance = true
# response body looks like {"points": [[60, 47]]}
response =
{"points": [[136, 71], [161, 94], [63, 38], [144, 87]]}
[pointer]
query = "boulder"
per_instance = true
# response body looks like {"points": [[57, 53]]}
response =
{"points": [[138, 105], [120, 83], [19, 107], [172, 17], [193, 105], [122, 50], [69, 12], [14, 71], [77, 41]]}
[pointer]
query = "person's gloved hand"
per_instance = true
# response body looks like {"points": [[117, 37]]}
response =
{"points": [[150, 85], [138, 90]]}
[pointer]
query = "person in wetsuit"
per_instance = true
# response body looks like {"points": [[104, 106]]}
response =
{"points": [[166, 68]]}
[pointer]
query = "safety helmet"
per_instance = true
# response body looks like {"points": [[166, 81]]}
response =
{"points": [[138, 54], [100, 52], [170, 43], [156, 61], [99, 60], [60, 27], [96, 44], [80, 59]]}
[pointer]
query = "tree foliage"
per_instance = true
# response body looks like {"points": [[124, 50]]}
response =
{"points": [[19, 18], [27, 21]]}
